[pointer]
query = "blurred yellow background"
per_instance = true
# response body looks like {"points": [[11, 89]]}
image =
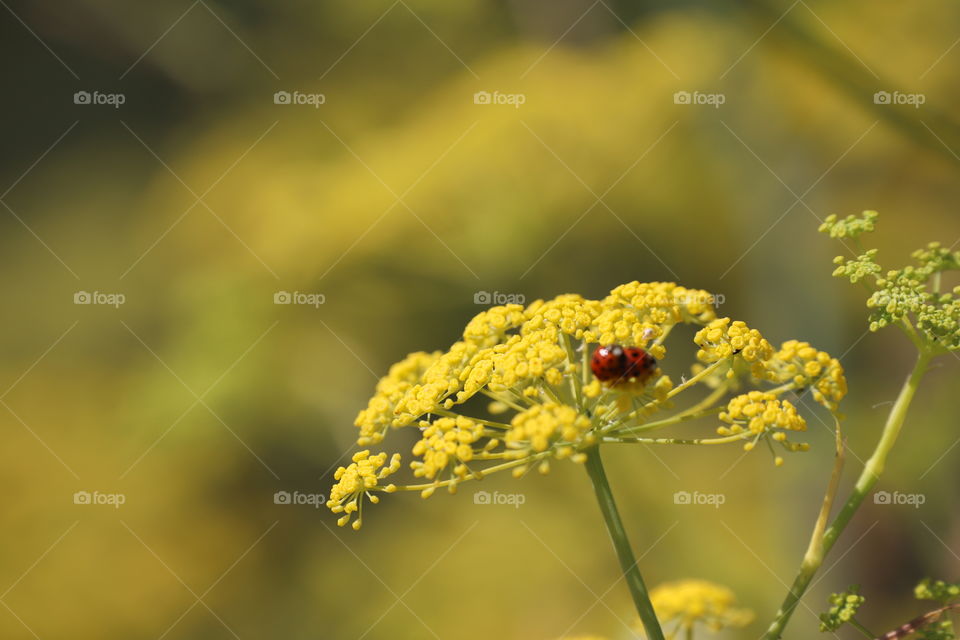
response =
{"points": [[399, 199]]}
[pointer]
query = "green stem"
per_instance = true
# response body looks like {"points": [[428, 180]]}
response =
{"points": [[865, 483], [621, 544], [649, 426], [724, 440]]}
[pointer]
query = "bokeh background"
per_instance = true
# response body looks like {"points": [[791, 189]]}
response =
{"points": [[399, 199]]}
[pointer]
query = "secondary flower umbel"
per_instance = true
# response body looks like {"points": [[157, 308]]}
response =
{"points": [[686, 603], [517, 391]]}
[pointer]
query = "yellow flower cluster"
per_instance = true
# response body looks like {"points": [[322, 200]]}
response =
{"points": [[357, 480], [665, 302], [688, 602], [549, 425], [570, 313], [439, 381], [489, 327], [756, 414], [805, 366], [633, 314], [626, 326], [723, 339], [525, 359], [443, 442], [531, 365], [379, 414]]}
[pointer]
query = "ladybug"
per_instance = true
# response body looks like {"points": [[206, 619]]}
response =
{"points": [[613, 363]]}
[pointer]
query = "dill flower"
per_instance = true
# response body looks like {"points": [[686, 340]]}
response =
{"points": [[843, 608], [723, 340], [488, 327], [548, 425], [443, 442], [851, 226], [938, 590], [379, 414], [357, 481], [857, 269], [910, 297], [666, 302], [756, 415], [531, 367], [686, 603], [808, 367]]}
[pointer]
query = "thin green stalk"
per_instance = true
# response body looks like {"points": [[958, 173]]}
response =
{"points": [[865, 483], [724, 440], [649, 426], [621, 544]]}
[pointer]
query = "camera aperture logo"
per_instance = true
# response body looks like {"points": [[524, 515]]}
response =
{"points": [[495, 97], [900, 98], [912, 499], [298, 297], [498, 297], [512, 499], [697, 97], [298, 97], [114, 500], [97, 98], [315, 500], [99, 297], [697, 498]]}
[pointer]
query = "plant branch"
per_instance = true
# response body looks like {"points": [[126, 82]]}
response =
{"points": [[868, 478], [621, 544]]}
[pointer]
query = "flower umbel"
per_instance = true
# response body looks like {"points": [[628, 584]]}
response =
{"points": [[806, 367], [686, 603], [548, 425], [844, 608], [723, 340], [531, 366], [359, 480], [939, 590], [757, 415], [379, 414], [911, 297], [851, 226]]}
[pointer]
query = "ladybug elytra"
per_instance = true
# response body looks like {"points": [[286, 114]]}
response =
{"points": [[613, 363]]}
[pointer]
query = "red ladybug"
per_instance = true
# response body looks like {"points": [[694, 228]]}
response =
{"points": [[613, 363]]}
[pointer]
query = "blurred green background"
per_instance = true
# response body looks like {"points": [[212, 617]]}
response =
{"points": [[399, 199]]}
